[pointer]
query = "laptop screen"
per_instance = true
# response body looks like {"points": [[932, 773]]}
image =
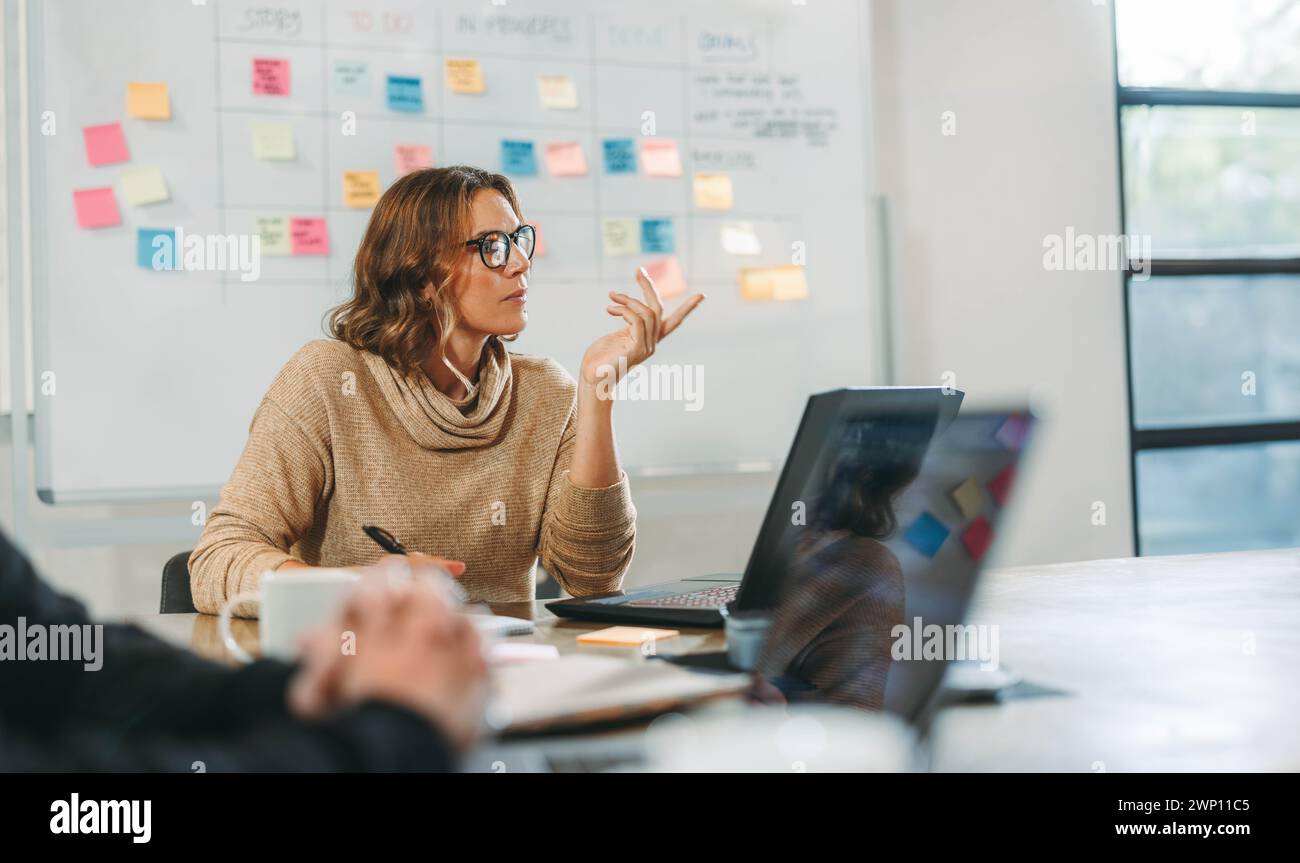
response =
{"points": [[897, 518]]}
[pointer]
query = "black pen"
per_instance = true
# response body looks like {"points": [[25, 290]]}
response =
{"points": [[384, 539]]}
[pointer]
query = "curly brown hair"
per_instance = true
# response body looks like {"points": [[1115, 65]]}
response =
{"points": [[416, 236]]}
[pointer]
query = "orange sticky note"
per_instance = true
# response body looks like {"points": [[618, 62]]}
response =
{"points": [[713, 191], [411, 157], [968, 497], [629, 636], [309, 237], [270, 76], [566, 159], [659, 157], [360, 188], [667, 276], [105, 145], [464, 76], [148, 101], [96, 208], [773, 283]]}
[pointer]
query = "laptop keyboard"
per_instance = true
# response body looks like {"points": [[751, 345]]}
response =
{"points": [[709, 597]]}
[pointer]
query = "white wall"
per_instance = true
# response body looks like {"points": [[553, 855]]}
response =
{"points": [[1031, 83]]}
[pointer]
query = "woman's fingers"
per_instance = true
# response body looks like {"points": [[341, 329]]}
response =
{"points": [[636, 325], [652, 297], [679, 314], [649, 317]]}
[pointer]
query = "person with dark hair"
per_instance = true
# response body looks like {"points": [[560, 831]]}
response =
{"points": [[831, 632]]}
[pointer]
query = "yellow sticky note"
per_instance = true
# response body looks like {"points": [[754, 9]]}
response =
{"points": [[360, 188], [557, 92], [464, 76], [968, 497], [144, 186], [148, 101], [713, 191], [274, 231], [628, 636], [773, 283], [738, 238], [274, 141], [620, 237]]}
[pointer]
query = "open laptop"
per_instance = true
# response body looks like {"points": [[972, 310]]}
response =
{"points": [[699, 600]]}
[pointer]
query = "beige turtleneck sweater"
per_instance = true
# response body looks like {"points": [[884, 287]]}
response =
{"points": [[343, 440]]}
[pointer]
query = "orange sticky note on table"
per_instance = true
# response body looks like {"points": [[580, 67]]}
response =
{"points": [[105, 144], [713, 191], [464, 76], [667, 276], [96, 208], [659, 157], [566, 159], [787, 282], [270, 76], [628, 636], [148, 101], [309, 236], [360, 188], [411, 157]]}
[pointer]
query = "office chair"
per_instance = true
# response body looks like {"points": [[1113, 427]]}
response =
{"points": [[176, 598]]}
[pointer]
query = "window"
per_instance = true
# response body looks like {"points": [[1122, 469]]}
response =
{"points": [[1209, 116]]}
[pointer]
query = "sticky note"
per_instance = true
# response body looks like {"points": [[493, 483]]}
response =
{"points": [[1000, 485], [411, 157], [155, 248], [96, 208], [148, 101], [105, 144], [539, 246], [667, 276], [464, 76], [351, 78], [360, 188], [270, 76], [620, 155], [626, 636], [566, 159], [967, 497], [274, 141], [557, 92], [977, 537], [657, 237], [1013, 431], [926, 535], [405, 94], [659, 157], [713, 191], [274, 231], [144, 186], [773, 283], [309, 236], [518, 158], [620, 237], [738, 238]]}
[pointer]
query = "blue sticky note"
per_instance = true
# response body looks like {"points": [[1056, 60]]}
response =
{"points": [[657, 236], [926, 534], [160, 255], [620, 156], [518, 158], [405, 94]]}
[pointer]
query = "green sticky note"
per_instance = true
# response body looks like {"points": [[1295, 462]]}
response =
{"points": [[620, 237], [274, 231], [144, 186], [274, 141]]}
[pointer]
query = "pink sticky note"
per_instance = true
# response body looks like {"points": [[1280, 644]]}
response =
{"points": [[659, 157], [270, 76], [566, 159], [105, 145], [96, 208], [667, 276], [1000, 485], [309, 236], [539, 248], [411, 157], [977, 537]]}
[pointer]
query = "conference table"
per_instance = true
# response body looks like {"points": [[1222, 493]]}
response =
{"points": [[1185, 663]]}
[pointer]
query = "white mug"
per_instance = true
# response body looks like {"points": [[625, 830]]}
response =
{"points": [[292, 603]]}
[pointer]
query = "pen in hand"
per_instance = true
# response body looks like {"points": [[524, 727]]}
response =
{"points": [[390, 544]]}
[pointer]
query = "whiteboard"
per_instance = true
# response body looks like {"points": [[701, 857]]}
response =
{"points": [[147, 380]]}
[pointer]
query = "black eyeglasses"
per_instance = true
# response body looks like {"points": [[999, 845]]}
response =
{"points": [[494, 246]]}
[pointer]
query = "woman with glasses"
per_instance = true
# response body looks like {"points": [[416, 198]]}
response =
{"points": [[415, 418]]}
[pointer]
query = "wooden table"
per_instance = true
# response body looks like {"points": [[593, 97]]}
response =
{"points": [[1166, 663]]}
